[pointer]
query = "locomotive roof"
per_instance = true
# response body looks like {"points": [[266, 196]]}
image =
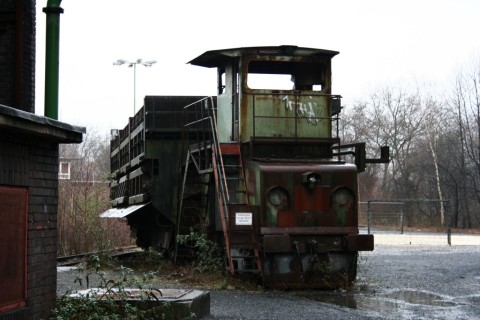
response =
{"points": [[215, 58]]}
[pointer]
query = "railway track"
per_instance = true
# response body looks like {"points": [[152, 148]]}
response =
{"points": [[72, 260]]}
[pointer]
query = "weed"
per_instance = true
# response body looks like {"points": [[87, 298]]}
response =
{"points": [[100, 260], [223, 285], [125, 297], [207, 256]]}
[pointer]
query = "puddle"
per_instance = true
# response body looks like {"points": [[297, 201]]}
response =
{"points": [[419, 297], [391, 304], [339, 299]]}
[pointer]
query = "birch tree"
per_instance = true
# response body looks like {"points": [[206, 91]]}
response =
{"points": [[434, 120]]}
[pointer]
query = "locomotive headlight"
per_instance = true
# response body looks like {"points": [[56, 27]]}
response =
{"points": [[277, 196], [310, 179], [342, 197]]}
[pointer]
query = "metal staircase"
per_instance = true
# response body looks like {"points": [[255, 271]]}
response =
{"points": [[224, 162], [244, 248]]}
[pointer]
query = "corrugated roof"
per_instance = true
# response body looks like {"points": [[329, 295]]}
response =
{"points": [[122, 212]]}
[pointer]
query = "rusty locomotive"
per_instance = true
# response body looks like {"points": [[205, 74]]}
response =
{"points": [[259, 168]]}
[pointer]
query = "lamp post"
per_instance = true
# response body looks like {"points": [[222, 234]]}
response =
{"points": [[130, 64]]}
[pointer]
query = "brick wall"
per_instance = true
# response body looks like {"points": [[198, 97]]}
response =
{"points": [[17, 54], [30, 163], [7, 55]]}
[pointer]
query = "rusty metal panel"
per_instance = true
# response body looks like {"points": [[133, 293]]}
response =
{"points": [[317, 199], [13, 247], [286, 116], [286, 219], [309, 230], [277, 243]]}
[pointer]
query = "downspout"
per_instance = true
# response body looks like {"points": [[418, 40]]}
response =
{"points": [[52, 46]]}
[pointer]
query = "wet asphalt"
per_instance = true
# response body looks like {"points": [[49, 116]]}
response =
{"points": [[394, 282]]}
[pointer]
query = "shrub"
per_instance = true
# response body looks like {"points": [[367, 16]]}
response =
{"points": [[207, 256], [126, 297]]}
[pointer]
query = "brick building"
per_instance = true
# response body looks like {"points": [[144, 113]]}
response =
{"points": [[28, 174]]}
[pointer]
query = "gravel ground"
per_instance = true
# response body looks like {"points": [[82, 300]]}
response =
{"points": [[422, 282], [394, 282]]}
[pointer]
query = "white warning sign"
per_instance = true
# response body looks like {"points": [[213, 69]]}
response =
{"points": [[243, 218]]}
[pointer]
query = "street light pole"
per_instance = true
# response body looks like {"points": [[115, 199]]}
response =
{"points": [[134, 88], [130, 64]]}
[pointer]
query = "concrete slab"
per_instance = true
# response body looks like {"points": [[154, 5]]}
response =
{"points": [[410, 238], [182, 303]]}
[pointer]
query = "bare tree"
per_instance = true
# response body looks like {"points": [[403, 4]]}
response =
{"points": [[434, 145], [83, 197], [435, 120], [391, 117], [464, 103]]}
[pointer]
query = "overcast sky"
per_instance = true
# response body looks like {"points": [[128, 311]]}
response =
{"points": [[380, 42]]}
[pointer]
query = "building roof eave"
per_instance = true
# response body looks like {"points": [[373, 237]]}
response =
{"points": [[44, 128]]}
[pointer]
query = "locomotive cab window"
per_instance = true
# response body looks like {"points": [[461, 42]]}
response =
{"points": [[220, 81], [281, 75]]}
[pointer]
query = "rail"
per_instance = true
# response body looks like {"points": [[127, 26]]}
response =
{"points": [[300, 115], [74, 259], [201, 133]]}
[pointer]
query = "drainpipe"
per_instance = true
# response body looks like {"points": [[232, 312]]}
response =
{"points": [[53, 11]]}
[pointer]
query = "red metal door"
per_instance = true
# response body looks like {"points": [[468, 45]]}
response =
{"points": [[13, 247]]}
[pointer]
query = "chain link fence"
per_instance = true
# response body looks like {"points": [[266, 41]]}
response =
{"points": [[407, 221]]}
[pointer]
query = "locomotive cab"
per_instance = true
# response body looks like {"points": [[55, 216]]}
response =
{"points": [[286, 84]]}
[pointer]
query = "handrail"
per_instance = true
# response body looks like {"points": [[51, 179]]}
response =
{"points": [[294, 104], [207, 114], [219, 152]]}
